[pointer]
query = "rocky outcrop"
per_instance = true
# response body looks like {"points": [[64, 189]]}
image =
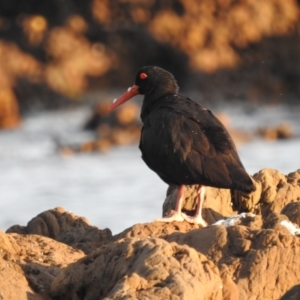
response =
{"points": [[254, 255], [273, 192], [29, 263], [66, 228], [112, 128], [282, 131], [140, 269], [56, 51]]}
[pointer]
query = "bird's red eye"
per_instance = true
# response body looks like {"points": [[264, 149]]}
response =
{"points": [[143, 75]]}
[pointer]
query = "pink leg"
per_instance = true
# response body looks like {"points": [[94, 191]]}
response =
{"points": [[197, 218], [177, 215]]}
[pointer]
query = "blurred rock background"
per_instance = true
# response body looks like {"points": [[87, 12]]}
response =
{"points": [[52, 52]]}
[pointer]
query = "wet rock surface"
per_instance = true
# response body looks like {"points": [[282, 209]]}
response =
{"points": [[252, 256]]}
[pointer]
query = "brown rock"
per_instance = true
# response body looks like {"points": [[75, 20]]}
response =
{"points": [[9, 110], [140, 269], [277, 190], [65, 227], [13, 283], [248, 202], [155, 229], [127, 114], [42, 258], [252, 257], [292, 211], [273, 191], [119, 127], [292, 294], [282, 131], [136, 255], [29, 264]]}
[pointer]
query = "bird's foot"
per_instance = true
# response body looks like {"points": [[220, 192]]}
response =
{"points": [[171, 218], [195, 220]]}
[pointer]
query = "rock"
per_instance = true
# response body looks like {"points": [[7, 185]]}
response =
{"points": [[61, 256], [9, 110], [42, 258], [240, 252], [282, 131], [65, 227], [29, 264], [12, 280], [140, 269], [149, 230], [292, 211], [273, 192], [119, 127], [292, 294], [277, 190]]}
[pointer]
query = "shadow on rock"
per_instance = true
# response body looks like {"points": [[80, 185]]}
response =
{"points": [[292, 294]]}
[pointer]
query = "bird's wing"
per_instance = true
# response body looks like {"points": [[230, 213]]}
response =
{"points": [[187, 144], [220, 163], [198, 125]]}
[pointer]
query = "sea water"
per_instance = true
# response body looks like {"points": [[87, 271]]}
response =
{"points": [[115, 189]]}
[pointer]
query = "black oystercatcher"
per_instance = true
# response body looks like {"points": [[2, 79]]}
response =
{"points": [[183, 142]]}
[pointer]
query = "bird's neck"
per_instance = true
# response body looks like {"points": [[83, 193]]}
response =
{"points": [[160, 88], [151, 103], [156, 95]]}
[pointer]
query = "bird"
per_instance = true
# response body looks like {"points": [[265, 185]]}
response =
{"points": [[183, 142]]}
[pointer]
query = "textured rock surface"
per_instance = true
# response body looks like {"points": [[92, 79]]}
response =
{"points": [[61, 256], [29, 263], [65, 227], [13, 284], [273, 192], [140, 269]]}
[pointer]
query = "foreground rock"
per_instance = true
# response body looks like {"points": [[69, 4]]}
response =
{"points": [[254, 256], [29, 263], [140, 269]]}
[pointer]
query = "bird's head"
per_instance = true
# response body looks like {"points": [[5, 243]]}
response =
{"points": [[150, 81]]}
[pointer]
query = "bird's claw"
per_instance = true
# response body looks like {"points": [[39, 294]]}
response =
{"points": [[171, 218], [194, 220], [180, 217]]}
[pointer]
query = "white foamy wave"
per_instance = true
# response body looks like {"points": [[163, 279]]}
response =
{"points": [[291, 227], [233, 220]]}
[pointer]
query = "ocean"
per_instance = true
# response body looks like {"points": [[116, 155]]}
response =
{"points": [[116, 189]]}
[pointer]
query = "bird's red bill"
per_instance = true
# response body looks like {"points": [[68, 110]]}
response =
{"points": [[132, 91]]}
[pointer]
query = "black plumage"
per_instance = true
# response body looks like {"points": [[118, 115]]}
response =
{"points": [[183, 142]]}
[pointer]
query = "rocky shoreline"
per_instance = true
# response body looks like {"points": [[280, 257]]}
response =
{"points": [[253, 256]]}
